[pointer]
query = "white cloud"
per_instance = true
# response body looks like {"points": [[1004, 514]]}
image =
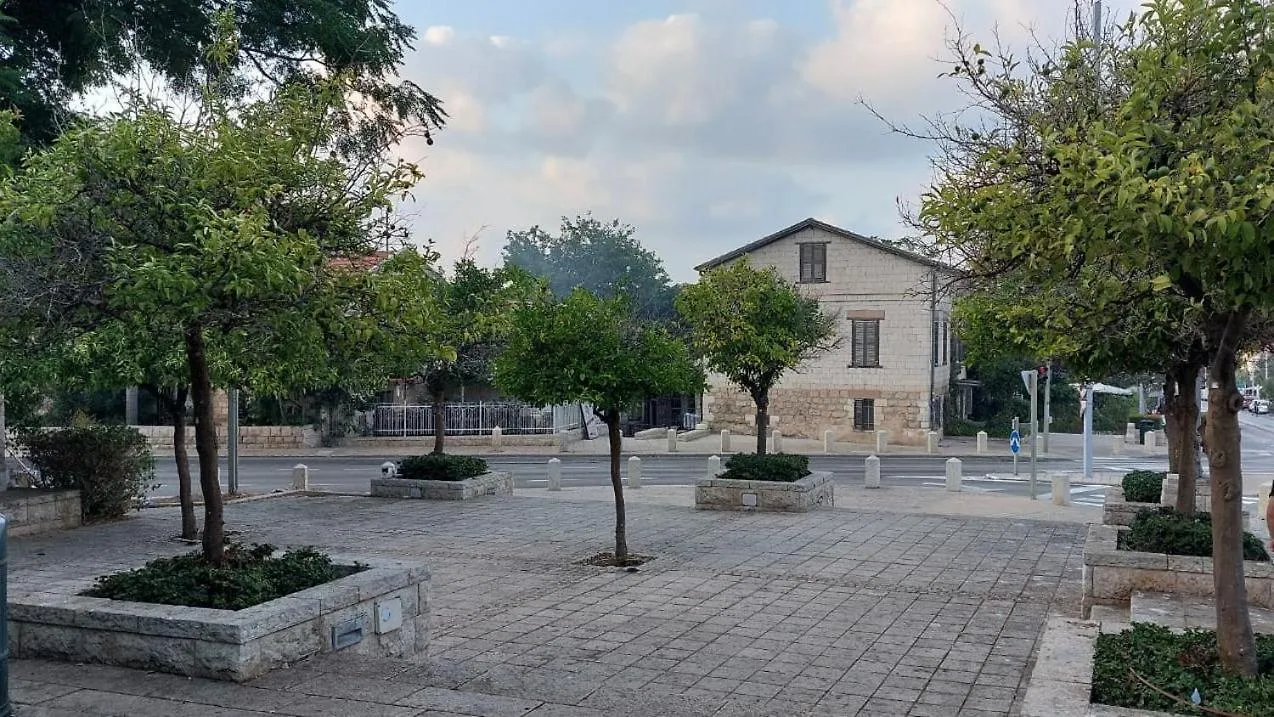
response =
{"points": [[439, 34]]}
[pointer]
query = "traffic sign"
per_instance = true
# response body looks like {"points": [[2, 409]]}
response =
{"points": [[1015, 441], [1027, 376]]}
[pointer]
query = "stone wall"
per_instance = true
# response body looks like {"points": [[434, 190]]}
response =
{"points": [[31, 511], [493, 483], [250, 437], [807, 412], [228, 644], [815, 490]]}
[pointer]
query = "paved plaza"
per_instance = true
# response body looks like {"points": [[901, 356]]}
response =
{"points": [[840, 612]]}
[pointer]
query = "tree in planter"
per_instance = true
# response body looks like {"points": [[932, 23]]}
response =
{"points": [[752, 326], [230, 236], [476, 307], [592, 350]]}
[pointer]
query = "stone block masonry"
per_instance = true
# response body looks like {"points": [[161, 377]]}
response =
{"points": [[31, 511], [813, 491], [382, 611], [809, 412], [494, 483]]}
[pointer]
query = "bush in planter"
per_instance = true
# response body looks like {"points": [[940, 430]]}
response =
{"points": [[250, 576], [440, 466], [778, 467], [1143, 486], [111, 466], [1167, 531]]}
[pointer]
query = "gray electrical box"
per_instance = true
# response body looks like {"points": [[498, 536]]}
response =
{"points": [[348, 633]]}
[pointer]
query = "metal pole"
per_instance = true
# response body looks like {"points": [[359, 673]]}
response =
{"points": [[232, 440], [1035, 425], [1048, 394], [6, 707], [1088, 432], [4, 447]]}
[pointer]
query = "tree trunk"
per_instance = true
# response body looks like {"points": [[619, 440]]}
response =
{"points": [[762, 421], [1182, 407], [616, 448], [1234, 625], [440, 418], [214, 529], [175, 406]]}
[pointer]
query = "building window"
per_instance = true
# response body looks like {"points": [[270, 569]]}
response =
{"points": [[946, 342], [941, 334], [865, 343], [813, 263], [864, 414]]}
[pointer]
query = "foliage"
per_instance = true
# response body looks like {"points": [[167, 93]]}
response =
{"points": [[778, 467], [1178, 663], [436, 466], [1143, 486], [1001, 397], [111, 466], [1164, 530], [953, 426], [249, 576], [604, 258]]}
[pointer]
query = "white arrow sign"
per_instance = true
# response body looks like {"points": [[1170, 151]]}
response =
{"points": [[1026, 378]]}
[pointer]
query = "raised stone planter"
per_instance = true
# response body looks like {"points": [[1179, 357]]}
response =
{"points": [[813, 491], [1117, 511], [31, 511], [1112, 575], [380, 612], [493, 483]]}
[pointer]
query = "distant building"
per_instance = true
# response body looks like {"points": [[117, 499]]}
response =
{"points": [[894, 364]]}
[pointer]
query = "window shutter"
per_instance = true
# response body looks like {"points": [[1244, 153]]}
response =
{"points": [[873, 343], [820, 262]]}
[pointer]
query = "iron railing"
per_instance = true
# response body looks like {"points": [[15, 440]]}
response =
{"points": [[690, 420], [461, 419]]}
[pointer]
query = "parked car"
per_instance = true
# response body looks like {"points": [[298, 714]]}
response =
{"points": [[1260, 405]]}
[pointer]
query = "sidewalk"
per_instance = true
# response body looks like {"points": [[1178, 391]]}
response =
{"points": [[898, 601]]}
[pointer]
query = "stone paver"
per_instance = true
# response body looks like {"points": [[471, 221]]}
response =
{"points": [[830, 613]]}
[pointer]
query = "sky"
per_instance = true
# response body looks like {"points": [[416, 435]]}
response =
{"points": [[705, 124]]}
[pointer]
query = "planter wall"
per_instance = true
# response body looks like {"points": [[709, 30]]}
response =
{"points": [[493, 483], [813, 491], [379, 612], [1112, 575], [31, 511], [1117, 511]]}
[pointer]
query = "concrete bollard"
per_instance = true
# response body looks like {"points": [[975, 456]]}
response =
{"points": [[300, 477], [1263, 502], [714, 466], [672, 440], [1168, 491], [882, 441], [982, 443], [931, 442], [953, 475], [634, 472], [1130, 433], [725, 440], [872, 477], [497, 437], [1116, 445], [778, 441], [1061, 488], [829, 441], [555, 474]]}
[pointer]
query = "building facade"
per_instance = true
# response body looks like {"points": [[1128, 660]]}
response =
{"points": [[893, 366]]}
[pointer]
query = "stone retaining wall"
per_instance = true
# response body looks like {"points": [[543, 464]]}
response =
{"points": [[1117, 511], [493, 483], [1111, 575], [31, 511], [228, 644], [813, 491], [249, 436], [807, 412]]}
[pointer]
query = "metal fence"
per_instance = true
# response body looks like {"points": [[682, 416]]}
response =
{"points": [[690, 420], [476, 419]]}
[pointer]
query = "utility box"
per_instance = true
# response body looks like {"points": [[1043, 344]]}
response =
{"points": [[389, 615]]}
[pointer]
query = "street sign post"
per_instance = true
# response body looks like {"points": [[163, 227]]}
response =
{"points": [[1032, 383], [1015, 445]]}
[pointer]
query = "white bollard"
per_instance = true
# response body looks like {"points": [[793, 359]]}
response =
{"points": [[829, 441], [882, 441], [672, 440], [931, 442], [725, 440], [1130, 433], [953, 475], [872, 478], [300, 477], [778, 441], [1116, 445], [555, 474], [981, 443], [714, 466], [1061, 488], [1263, 503], [634, 472], [497, 437]]}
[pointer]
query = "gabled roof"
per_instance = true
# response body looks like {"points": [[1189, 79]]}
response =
{"points": [[812, 223]]}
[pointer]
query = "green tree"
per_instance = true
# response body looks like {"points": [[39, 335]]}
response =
{"points": [[592, 350], [752, 326], [476, 311], [1170, 185], [241, 239], [604, 258]]}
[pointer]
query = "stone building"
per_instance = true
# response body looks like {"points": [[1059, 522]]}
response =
{"points": [[893, 367]]}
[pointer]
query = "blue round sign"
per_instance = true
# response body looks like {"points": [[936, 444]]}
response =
{"points": [[1015, 441]]}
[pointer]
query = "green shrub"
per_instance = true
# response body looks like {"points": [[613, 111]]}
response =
{"points": [[1143, 486], [778, 467], [250, 576], [440, 466], [1166, 531], [961, 427], [1177, 664], [111, 466]]}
